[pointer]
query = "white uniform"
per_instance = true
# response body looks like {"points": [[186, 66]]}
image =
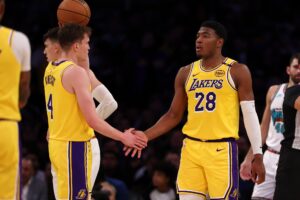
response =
{"points": [[271, 156]]}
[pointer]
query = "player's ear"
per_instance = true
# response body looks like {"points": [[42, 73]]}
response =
{"points": [[288, 70], [220, 42], [76, 46]]}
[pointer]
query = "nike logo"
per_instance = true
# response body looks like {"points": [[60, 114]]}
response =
{"points": [[195, 74], [220, 149]]}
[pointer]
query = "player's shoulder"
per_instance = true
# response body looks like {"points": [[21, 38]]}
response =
{"points": [[273, 89], [239, 66], [186, 68], [20, 36]]}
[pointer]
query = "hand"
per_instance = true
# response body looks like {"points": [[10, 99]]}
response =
{"points": [[245, 171], [127, 149], [131, 140], [258, 169]]}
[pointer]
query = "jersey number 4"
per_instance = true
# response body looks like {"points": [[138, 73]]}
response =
{"points": [[210, 103], [50, 106]]}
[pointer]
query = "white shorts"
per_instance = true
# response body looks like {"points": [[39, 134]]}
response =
{"points": [[267, 188]]}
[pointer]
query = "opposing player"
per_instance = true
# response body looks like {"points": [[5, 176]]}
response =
{"points": [[272, 128], [211, 89], [14, 93], [71, 113]]}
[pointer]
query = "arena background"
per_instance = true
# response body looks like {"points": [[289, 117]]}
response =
{"points": [[137, 48]]}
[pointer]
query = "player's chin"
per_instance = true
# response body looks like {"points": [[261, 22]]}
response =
{"points": [[198, 53]]}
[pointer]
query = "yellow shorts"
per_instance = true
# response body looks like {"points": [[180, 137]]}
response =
{"points": [[74, 167], [209, 168], [10, 160]]}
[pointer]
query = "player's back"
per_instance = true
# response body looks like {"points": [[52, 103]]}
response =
{"points": [[66, 121], [10, 69], [213, 105]]}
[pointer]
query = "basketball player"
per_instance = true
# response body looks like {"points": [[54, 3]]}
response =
{"points": [[107, 104], [211, 89], [272, 128], [288, 173], [14, 93], [71, 112]]}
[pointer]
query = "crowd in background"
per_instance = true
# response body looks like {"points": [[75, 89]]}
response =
{"points": [[136, 49]]}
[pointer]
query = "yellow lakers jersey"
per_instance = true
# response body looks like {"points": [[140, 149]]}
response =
{"points": [[65, 120], [213, 104], [10, 69]]}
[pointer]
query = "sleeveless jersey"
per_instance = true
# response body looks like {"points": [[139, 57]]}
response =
{"points": [[276, 126], [66, 121], [213, 104], [10, 69]]}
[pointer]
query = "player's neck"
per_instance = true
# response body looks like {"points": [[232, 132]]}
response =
{"points": [[68, 56], [212, 61]]}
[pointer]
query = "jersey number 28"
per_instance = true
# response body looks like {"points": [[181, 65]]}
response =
{"points": [[210, 104]]}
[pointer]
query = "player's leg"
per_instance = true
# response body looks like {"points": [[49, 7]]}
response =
{"points": [[221, 169], [71, 169], [191, 180], [95, 159], [266, 189], [10, 160], [191, 197]]}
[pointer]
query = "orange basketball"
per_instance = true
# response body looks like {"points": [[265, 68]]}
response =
{"points": [[73, 11]]}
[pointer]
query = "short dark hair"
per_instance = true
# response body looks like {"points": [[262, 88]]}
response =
{"points": [[218, 28], [51, 34], [71, 33], [295, 55]]}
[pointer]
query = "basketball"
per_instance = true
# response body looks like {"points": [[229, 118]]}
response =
{"points": [[73, 11]]}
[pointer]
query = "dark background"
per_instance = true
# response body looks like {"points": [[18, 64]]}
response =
{"points": [[137, 48]]}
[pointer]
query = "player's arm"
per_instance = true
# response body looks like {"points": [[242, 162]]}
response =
{"points": [[24, 88], [174, 115], [76, 79], [107, 103], [243, 81], [266, 119], [245, 169], [21, 46]]}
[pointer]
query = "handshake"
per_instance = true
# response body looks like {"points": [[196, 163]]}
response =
{"points": [[135, 141]]}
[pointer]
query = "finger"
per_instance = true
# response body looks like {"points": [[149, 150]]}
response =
{"points": [[140, 144], [133, 153], [139, 154], [130, 129], [246, 177], [137, 147], [125, 148], [260, 178], [128, 151], [254, 176], [141, 139]]}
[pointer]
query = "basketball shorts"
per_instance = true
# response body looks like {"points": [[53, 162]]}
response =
{"points": [[74, 167], [208, 168], [267, 188], [10, 160]]}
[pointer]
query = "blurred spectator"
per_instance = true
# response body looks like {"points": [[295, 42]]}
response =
{"points": [[33, 188], [163, 180]]}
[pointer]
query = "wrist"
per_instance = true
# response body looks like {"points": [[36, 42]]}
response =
{"points": [[257, 157]]}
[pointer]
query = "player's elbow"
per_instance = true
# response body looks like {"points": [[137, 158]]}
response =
{"points": [[175, 117], [92, 121], [113, 106]]}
